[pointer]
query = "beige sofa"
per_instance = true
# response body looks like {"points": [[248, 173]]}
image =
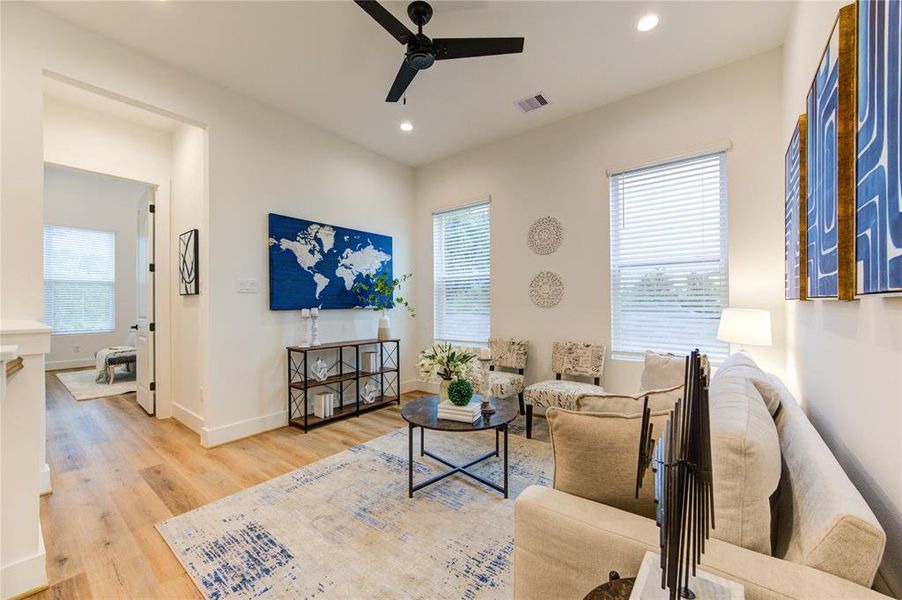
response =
{"points": [[826, 542]]}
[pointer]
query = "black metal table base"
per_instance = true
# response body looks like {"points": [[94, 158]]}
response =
{"points": [[462, 469]]}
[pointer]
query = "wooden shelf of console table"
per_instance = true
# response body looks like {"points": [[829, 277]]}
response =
{"points": [[300, 384]]}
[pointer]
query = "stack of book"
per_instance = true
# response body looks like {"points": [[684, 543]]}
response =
{"points": [[324, 404], [469, 413]]}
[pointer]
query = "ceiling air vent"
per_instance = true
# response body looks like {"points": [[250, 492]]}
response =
{"points": [[531, 102]]}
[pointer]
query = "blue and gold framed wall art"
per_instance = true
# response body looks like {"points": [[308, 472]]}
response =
{"points": [[796, 284], [878, 203], [830, 210]]}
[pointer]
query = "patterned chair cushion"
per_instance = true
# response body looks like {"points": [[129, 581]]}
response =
{"points": [[506, 384], [563, 394], [575, 358], [509, 353]]}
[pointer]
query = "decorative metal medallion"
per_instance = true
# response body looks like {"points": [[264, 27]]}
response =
{"points": [[546, 289], [545, 235]]}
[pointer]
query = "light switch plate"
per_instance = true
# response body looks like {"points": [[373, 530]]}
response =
{"points": [[247, 286]]}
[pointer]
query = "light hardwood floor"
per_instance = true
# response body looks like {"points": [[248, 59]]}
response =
{"points": [[116, 472]]}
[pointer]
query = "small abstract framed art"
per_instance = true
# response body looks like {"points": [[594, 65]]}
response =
{"points": [[878, 203], [830, 210], [188, 277], [796, 283]]}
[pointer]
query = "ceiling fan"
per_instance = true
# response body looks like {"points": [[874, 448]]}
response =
{"points": [[422, 52]]}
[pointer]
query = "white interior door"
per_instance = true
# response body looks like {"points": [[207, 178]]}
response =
{"points": [[145, 290]]}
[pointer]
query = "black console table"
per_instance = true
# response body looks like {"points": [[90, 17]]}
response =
{"points": [[344, 377]]}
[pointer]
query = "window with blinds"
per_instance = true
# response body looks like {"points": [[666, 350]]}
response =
{"points": [[79, 279], [461, 286], [669, 257]]}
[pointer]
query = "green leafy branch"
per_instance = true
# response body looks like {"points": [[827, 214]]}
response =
{"points": [[378, 293]]}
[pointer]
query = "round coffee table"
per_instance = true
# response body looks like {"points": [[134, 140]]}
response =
{"points": [[423, 413]]}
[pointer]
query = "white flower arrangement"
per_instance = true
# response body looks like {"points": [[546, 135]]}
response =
{"points": [[444, 361]]}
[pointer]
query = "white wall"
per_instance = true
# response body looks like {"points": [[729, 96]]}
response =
{"points": [[560, 170], [260, 160], [844, 359], [89, 201], [189, 207]]}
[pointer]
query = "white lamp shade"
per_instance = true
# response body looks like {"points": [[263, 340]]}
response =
{"points": [[745, 327]]}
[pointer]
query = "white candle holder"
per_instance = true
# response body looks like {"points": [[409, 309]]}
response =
{"points": [[314, 315], [487, 408], [305, 328]]}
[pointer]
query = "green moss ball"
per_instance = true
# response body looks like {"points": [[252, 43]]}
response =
{"points": [[460, 392]]}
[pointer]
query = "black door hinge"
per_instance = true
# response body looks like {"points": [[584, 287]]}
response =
{"points": [[153, 386], [152, 207], [152, 267], [153, 327]]}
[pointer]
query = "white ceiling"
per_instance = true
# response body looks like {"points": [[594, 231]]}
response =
{"points": [[331, 64]]}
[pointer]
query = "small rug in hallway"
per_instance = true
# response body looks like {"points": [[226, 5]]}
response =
{"points": [[82, 386], [343, 527]]}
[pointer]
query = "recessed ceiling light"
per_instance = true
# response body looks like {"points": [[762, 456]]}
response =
{"points": [[648, 22], [406, 126]]}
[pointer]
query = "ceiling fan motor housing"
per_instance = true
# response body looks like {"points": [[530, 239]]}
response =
{"points": [[419, 52]]}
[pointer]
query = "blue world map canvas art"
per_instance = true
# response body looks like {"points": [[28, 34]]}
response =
{"points": [[878, 198], [316, 265], [822, 219]]}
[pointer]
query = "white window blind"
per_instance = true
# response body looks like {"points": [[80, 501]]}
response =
{"points": [[79, 279], [669, 257], [461, 284]]}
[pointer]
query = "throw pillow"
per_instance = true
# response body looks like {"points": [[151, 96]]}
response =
{"points": [[745, 450], [662, 371], [595, 457], [624, 404]]}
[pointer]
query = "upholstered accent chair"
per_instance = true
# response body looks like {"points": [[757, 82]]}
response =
{"points": [[570, 359], [509, 354]]}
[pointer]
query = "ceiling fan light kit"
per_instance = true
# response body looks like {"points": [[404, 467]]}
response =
{"points": [[422, 52]]}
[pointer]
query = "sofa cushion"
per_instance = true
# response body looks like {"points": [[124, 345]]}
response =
{"points": [[662, 371], [745, 451], [595, 457], [822, 520], [741, 364]]}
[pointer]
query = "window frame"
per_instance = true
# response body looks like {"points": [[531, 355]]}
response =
{"points": [[486, 202], [111, 283], [719, 152]]}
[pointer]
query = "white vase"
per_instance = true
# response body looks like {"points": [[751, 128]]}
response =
{"points": [[443, 389], [384, 327]]}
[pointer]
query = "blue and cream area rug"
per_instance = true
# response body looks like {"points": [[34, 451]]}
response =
{"points": [[343, 527]]}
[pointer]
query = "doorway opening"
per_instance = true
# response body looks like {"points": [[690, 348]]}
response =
{"points": [[99, 282], [90, 132]]}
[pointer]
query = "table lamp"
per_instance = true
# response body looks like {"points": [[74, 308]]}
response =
{"points": [[745, 327]]}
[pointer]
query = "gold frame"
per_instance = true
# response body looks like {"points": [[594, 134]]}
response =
{"points": [[846, 132]]}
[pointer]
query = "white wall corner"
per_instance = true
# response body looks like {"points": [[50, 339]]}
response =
{"points": [[27, 575], [189, 419], [215, 436]]}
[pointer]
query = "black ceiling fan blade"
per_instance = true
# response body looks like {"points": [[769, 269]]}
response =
{"points": [[447, 48], [388, 21], [405, 75]]}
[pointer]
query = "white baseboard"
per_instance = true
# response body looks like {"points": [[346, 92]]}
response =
{"points": [[26, 575], [191, 420], [215, 436], [44, 486], [415, 385], [69, 364]]}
